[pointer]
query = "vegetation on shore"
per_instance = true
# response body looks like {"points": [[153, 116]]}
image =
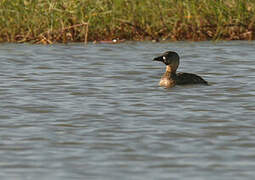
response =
{"points": [[50, 21]]}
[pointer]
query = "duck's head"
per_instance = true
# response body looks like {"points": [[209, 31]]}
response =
{"points": [[170, 58]]}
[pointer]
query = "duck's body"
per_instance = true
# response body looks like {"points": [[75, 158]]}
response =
{"points": [[171, 78]]}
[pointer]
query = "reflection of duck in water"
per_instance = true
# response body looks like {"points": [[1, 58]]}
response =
{"points": [[170, 78]]}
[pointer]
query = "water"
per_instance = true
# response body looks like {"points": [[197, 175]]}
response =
{"points": [[97, 112]]}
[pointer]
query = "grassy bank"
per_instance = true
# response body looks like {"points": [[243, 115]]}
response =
{"points": [[49, 21]]}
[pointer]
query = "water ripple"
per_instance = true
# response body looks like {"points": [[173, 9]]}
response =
{"points": [[97, 112]]}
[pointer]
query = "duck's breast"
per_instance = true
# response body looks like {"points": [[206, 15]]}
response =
{"points": [[166, 82]]}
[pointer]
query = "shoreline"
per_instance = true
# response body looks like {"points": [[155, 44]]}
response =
{"points": [[41, 22]]}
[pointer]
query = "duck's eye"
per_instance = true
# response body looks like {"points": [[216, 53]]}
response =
{"points": [[164, 57]]}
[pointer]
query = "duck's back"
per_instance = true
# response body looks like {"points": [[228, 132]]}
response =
{"points": [[188, 78]]}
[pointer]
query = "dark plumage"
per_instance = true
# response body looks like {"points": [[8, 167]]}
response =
{"points": [[171, 78]]}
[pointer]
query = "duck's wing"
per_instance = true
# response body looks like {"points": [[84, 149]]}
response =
{"points": [[188, 78]]}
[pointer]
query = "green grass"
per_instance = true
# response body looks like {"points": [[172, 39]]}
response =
{"points": [[50, 21]]}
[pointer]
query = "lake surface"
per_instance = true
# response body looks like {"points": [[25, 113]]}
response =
{"points": [[96, 112]]}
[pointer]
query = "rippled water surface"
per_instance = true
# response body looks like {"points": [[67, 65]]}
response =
{"points": [[97, 112]]}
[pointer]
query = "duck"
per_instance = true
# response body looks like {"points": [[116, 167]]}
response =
{"points": [[170, 78]]}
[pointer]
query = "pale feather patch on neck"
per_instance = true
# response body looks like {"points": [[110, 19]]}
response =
{"points": [[168, 68]]}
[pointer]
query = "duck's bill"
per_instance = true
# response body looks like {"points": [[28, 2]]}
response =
{"points": [[158, 59]]}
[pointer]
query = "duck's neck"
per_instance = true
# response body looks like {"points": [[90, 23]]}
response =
{"points": [[170, 71], [169, 78]]}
